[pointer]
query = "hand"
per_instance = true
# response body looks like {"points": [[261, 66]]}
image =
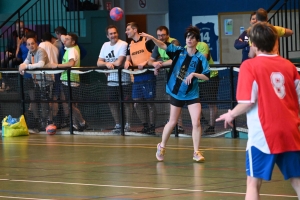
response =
{"points": [[156, 71], [227, 118], [109, 65], [189, 78], [22, 67], [141, 65], [157, 64], [147, 36], [127, 64], [52, 65]]}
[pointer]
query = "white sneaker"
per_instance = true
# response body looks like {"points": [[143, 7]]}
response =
{"points": [[127, 128], [117, 129]]}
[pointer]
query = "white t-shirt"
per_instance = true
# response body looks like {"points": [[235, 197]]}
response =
{"points": [[51, 50], [110, 54], [52, 53]]}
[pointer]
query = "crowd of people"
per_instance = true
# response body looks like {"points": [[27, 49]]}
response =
{"points": [[26, 52]]}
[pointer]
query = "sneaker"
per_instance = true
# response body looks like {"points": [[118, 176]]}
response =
{"points": [[82, 127], [127, 128], [209, 131], [75, 127], [160, 153], [180, 129], [117, 129], [151, 130], [198, 157]]}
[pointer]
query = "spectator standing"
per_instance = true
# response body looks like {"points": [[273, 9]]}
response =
{"points": [[144, 85], [209, 89], [113, 55], [262, 16], [243, 41], [52, 52], [71, 59], [37, 58]]}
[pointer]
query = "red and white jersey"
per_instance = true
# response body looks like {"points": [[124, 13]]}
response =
{"points": [[272, 84]]}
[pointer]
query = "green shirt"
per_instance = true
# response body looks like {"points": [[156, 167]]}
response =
{"points": [[203, 48], [164, 56], [69, 54]]}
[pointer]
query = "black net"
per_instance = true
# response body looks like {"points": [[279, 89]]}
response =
{"points": [[99, 105]]}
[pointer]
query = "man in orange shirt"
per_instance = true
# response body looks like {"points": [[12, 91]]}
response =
{"points": [[144, 84]]}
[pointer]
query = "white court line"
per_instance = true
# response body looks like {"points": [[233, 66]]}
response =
{"points": [[270, 195], [151, 188], [8, 197]]}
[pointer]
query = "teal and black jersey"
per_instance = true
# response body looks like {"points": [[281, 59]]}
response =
{"points": [[182, 66]]}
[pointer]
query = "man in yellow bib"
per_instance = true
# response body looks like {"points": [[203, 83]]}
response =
{"points": [[71, 58], [262, 16]]}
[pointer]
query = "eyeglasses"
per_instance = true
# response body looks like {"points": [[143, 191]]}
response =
{"points": [[162, 35]]}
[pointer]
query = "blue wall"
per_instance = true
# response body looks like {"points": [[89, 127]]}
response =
{"points": [[181, 12]]}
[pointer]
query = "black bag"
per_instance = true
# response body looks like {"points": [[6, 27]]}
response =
{"points": [[74, 5], [88, 5]]}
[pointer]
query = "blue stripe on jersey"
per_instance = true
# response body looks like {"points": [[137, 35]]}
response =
{"points": [[184, 66]]}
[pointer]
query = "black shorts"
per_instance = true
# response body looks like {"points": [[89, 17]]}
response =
{"points": [[208, 90], [113, 92], [181, 103], [28, 84], [75, 92]]}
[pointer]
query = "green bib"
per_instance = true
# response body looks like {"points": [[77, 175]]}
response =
{"points": [[163, 53], [64, 75]]}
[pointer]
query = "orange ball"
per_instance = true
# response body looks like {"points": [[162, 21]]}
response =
{"points": [[51, 129]]}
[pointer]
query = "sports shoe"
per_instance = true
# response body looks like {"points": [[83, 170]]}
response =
{"points": [[151, 130], [127, 128], [160, 153], [180, 129], [82, 127], [117, 129], [209, 131], [198, 157]]}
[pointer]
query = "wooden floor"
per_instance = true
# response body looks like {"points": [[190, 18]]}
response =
{"points": [[125, 167]]}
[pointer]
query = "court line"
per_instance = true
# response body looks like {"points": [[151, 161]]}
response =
{"points": [[203, 148], [151, 188], [10, 197]]}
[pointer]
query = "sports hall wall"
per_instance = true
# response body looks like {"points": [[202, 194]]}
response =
{"points": [[182, 12]]}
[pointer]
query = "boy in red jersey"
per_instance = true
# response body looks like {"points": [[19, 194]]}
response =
{"points": [[269, 92]]}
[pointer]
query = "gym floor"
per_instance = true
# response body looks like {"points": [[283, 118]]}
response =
{"points": [[67, 167]]}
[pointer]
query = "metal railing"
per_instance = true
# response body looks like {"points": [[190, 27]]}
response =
{"points": [[287, 15]]}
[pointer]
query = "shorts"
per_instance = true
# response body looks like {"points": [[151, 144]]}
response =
{"points": [[28, 84], [57, 88], [208, 90], [260, 165], [144, 89], [113, 92], [43, 93], [75, 92], [181, 103]]}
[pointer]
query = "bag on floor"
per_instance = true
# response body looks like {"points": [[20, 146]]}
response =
{"points": [[12, 127]]}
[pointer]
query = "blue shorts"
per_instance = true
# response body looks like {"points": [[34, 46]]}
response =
{"points": [[260, 165], [145, 89]]}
